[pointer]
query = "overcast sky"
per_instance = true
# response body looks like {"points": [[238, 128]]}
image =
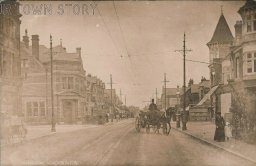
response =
{"points": [[149, 31]]}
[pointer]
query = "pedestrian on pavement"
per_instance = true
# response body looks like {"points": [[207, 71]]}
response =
{"points": [[228, 131], [106, 116], [219, 131]]}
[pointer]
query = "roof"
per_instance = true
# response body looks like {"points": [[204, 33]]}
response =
{"points": [[222, 33], [59, 53], [195, 88], [170, 91], [206, 83], [250, 4]]}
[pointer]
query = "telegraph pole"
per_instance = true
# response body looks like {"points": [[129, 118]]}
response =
{"points": [[52, 99], [121, 95], [184, 50], [165, 81], [111, 96], [156, 94], [125, 100]]}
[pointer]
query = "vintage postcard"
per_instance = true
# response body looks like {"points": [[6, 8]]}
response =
{"points": [[127, 83]]}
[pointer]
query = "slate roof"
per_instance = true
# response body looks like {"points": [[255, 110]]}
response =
{"points": [[250, 4], [222, 33]]}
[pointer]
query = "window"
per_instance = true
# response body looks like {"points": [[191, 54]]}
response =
{"points": [[42, 109], [24, 63], [29, 109], [249, 26], [237, 67], [251, 63], [77, 84], [70, 83], [64, 82], [35, 109]]}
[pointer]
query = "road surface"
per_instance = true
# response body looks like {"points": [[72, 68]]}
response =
{"points": [[117, 144]]}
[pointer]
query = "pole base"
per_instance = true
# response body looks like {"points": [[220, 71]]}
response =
{"points": [[177, 124], [184, 126], [53, 129]]}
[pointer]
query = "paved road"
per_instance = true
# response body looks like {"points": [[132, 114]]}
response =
{"points": [[117, 144]]}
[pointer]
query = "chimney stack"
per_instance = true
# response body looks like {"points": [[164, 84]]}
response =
{"points": [[26, 39], [78, 50], [35, 46], [238, 29]]}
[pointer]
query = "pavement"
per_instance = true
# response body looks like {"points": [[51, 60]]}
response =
{"points": [[204, 132], [119, 144]]}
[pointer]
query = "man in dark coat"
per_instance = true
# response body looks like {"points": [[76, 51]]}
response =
{"points": [[219, 131], [152, 106]]}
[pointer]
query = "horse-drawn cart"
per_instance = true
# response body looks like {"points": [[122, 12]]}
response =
{"points": [[153, 120]]}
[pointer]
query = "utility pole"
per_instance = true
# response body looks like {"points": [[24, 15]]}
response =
{"points": [[156, 94], [111, 96], [52, 99], [165, 81], [121, 95], [184, 117], [125, 100]]}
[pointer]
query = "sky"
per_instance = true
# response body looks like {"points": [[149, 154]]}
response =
{"points": [[148, 31]]}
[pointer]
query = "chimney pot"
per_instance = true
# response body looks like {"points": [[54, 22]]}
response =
{"points": [[78, 50], [35, 46]]}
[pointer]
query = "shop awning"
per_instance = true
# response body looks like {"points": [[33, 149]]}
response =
{"points": [[208, 95]]}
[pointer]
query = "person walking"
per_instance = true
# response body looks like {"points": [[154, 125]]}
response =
{"points": [[219, 131]]}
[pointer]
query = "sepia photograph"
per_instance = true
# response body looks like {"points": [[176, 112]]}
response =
{"points": [[128, 83]]}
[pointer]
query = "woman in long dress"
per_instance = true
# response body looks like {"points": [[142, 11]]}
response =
{"points": [[219, 131]]}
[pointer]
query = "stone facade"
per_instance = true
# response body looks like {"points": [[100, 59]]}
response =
{"points": [[10, 75]]}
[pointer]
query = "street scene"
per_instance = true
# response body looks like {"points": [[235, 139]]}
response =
{"points": [[120, 83]]}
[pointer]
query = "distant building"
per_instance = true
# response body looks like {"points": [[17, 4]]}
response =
{"points": [[10, 74], [115, 102], [95, 96], [69, 83], [171, 99]]}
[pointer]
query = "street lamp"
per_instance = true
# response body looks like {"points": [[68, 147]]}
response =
{"points": [[52, 100], [178, 113]]}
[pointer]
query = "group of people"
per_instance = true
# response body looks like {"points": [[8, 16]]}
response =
{"points": [[223, 130]]}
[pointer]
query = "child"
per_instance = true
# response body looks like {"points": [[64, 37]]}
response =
{"points": [[228, 131]]}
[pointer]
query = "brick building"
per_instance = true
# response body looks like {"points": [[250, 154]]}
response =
{"points": [[69, 83]]}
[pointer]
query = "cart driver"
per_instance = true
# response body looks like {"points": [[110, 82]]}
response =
{"points": [[152, 106]]}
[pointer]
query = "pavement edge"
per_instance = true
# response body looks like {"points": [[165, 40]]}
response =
{"points": [[201, 140]]}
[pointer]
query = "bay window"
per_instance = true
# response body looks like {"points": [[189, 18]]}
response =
{"points": [[251, 62]]}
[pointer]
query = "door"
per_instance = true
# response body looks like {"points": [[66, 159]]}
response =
{"points": [[67, 111]]}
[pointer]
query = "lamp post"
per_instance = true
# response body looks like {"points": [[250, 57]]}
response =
{"points": [[52, 100], [178, 112]]}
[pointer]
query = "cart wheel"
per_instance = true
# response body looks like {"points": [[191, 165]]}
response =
{"points": [[137, 124], [147, 128]]}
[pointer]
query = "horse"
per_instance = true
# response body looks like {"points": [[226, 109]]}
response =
{"points": [[168, 114]]}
